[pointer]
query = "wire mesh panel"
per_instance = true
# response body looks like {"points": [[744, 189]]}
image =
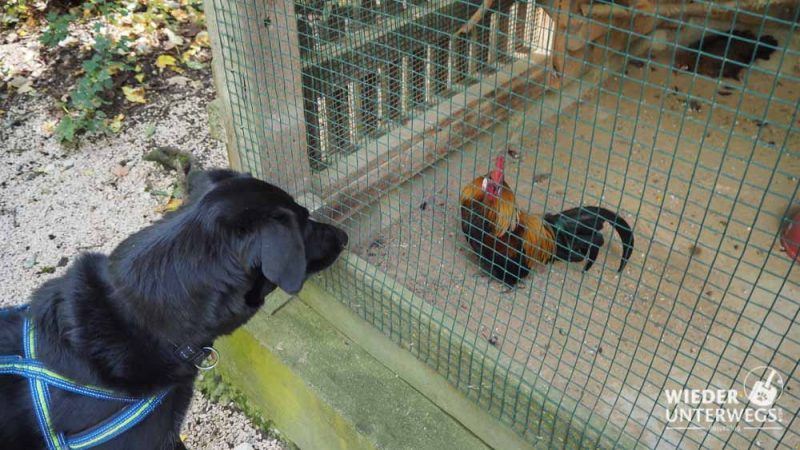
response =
{"points": [[682, 118]]}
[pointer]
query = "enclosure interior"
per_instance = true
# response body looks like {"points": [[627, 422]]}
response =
{"points": [[705, 170]]}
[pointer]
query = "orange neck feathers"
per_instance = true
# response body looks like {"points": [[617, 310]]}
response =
{"points": [[538, 239], [500, 210]]}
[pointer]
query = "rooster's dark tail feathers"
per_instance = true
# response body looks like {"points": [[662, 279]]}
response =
{"points": [[578, 237]]}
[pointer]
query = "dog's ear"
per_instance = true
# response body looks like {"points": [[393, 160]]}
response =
{"points": [[281, 254]]}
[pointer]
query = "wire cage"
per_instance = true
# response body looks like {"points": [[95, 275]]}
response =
{"points": [[681, 116]]}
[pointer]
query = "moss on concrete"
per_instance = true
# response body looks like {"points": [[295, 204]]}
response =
{"points": [[422, 377], [345, 372], [325, 392]]}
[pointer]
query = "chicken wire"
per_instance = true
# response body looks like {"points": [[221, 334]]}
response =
{"points": [[375, 113]]}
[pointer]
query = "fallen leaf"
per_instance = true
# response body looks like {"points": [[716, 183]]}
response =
{"points": [[180, 15], [69, 41], [21, 84], [43, 170], [30, 262], [178, 80], [164, 61], [191, 51], [171, 205], [149, 130], [49, 127], [174, 204], [114, 68], [16, 82], [139, 77], [202, 39], [134, 94], [196, 65], [116, 123], [120, 171], [173, 38]]}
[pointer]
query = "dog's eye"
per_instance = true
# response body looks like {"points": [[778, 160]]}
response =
{"points": [[282, 216]]}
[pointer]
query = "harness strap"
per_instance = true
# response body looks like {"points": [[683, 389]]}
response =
{"points": [[39, 380], [40, 394], [116, 425], [29, 368], [8, 310]]}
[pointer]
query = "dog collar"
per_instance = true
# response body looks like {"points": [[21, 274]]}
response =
{"points": [[204, 358]]}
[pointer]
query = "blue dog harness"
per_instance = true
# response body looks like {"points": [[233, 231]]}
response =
{"points": [[40, 379]]}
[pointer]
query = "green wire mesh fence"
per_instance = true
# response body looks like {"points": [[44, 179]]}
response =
{"points": [[681, 116]]}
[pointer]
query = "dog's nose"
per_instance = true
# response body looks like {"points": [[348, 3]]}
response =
{"points": [[341, 235]]}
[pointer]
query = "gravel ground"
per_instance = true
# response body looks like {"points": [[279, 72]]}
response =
{"points": [[56, 203]]}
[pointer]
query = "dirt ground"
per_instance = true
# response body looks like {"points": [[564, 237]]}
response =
{"points": [[708, 294], [57, 202]]}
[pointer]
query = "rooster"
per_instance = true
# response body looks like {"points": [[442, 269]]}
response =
{"points": [[722, 54], [510, 241]]}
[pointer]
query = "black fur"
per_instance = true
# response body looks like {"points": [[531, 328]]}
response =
{"points": [[195, 275]]}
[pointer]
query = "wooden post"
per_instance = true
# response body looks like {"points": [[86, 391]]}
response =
{"points": [[257, 72], [685, 9], [220, 115]]}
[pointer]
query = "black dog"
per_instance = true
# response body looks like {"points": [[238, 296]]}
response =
{"points": [[126, 322]]}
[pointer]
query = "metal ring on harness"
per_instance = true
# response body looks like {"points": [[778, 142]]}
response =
{"points": [[210, 361]]}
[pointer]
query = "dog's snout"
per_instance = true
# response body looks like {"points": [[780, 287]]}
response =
{"points": [[342, 237]]}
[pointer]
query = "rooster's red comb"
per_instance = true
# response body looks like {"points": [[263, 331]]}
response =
{"points": [[499, 162]]}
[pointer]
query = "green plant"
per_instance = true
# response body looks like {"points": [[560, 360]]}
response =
{"points": [[114, 57], [107, 59], [83, 109], [57, 29]]}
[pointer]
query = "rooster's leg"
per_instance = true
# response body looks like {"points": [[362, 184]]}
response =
{"points": [[497, 286], [506, 289]]}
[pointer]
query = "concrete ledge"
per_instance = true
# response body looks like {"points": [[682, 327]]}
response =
{"points": [[336, 368], [421, 377], [498, 386], [323, 391]]}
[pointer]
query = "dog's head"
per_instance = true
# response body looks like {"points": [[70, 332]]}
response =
{"points": [[211, 262], [274, 234]]}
